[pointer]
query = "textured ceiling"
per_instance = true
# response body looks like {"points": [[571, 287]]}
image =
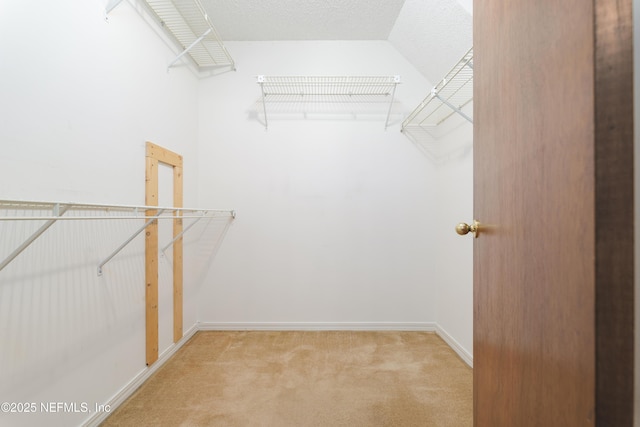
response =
{"points": [[467, 5], [240, 20], [433, 35]]}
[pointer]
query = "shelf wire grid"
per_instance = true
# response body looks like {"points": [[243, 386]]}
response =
{"points": [[448, 97], [330, 90], [19, 210], [328, 85], [187, 21]]}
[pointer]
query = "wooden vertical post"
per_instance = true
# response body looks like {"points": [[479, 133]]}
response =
{"points": [[177, 256], [154, 156], [151, 263]]}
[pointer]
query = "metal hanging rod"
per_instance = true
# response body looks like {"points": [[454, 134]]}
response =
{"points": [[89, 218], [446, 98], [331, 86], [58, 209], [34, 205]]}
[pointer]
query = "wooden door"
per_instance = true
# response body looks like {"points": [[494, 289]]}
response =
{"points": [[553, 191]]}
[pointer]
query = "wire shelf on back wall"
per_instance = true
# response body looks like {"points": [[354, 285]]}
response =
{"points": [[448, 97], [322, 88]]}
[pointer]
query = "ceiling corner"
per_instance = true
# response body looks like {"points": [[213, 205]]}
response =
{"points": [[433, 34]]}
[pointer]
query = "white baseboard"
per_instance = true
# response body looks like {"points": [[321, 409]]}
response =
{"points": [[455, 346], [342, 326], [317, 326], [120, 397]]}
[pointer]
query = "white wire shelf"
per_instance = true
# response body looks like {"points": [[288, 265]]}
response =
{"points": [[322, 88], [189, 25], [188, 22], [51, 212], [448, 97], [108, 211]]}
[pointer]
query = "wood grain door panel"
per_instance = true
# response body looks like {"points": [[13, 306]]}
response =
{"points": [[537, 144]]}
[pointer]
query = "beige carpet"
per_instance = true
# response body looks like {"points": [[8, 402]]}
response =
{"points": [[282, 379]]}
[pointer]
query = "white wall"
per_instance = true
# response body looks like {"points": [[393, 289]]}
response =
{"points": [[339, 221], [335, 215], [79, 98], [454, 275], [434, 35], [449, 147]]}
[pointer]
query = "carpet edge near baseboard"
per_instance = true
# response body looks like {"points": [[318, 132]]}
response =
{"points": [[463, 353], [127, 391], [318, 326]]}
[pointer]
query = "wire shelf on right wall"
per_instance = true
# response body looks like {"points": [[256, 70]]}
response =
{"points": [[447, 98]]}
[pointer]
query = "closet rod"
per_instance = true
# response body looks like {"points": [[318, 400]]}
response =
{"points": [[59, 209], [87, 218], [30, 204], [138, 212]]}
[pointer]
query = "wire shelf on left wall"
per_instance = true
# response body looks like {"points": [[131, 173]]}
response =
{"points": [[189, 25], [51, 212]]}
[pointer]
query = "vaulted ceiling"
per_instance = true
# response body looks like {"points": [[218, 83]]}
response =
{"points": [[431, 34], [304, 20]]}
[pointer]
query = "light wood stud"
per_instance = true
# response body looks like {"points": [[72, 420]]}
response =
{"points": [[156, 154], [151, 263], [163, 155], [177, 257]]}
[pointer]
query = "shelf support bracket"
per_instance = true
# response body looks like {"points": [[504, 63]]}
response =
{"points": [[180, 235], [232, 213], [396, 80], [112, 5], [184, 52], [58, 211], [264, 101], [133, 236], [453, 107]]}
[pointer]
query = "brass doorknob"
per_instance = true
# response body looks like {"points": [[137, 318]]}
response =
{"points": [[464, 228]]}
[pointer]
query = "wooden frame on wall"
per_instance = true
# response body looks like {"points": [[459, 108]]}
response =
{"points": [[154, 155]]}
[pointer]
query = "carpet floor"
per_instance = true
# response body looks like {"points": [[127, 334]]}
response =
{"points": [[310, 378]]}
